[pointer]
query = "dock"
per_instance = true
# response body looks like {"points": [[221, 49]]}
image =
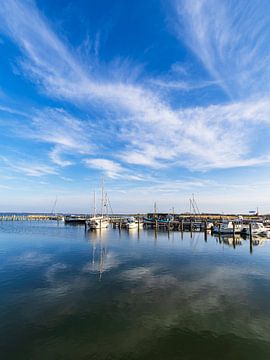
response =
{"points": [[34, 217]]}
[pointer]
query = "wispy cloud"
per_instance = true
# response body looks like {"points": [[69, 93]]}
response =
{"points": [[231, 39], [29, 169], [150, 131], [170, 84], [68, 134], [113, 169]]}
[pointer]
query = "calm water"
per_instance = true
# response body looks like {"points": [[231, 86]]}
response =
{"points": [[67, 294]]}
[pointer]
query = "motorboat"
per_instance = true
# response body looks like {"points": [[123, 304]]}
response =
{"points": [[257, 228], [133, 223], [74, 219], [228, 227]]}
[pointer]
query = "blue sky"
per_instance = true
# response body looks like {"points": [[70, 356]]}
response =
{"points": [[162, 98]]}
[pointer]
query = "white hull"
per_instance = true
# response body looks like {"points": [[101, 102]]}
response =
{"points": [[227, 228], [226, 231], [133, 225], [257, 229], [98, 223]]}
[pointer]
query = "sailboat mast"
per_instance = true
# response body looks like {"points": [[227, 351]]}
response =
{"points": [[155, 208], [94, 203], [54, 206], [106, 203], [102, 197]]}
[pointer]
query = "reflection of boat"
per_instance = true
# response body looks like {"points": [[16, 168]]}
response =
{"points": [[258, 241], [228, 227], [230, 240], [257, 229], [209, 226]]}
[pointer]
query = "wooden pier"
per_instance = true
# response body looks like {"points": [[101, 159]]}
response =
{"points": [[35, 217]]}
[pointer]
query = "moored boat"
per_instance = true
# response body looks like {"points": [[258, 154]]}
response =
{"points": [[228, 227], [98, 222], [75, 219], [257, 228], [133, 223]]}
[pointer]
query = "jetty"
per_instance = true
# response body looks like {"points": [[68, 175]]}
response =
{"points": [[30, 217]]}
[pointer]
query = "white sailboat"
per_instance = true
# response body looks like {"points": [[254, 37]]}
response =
{"points": [[100, 221]]}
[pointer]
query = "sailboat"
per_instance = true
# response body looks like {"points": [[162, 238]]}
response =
{"points": [[100, 221]]}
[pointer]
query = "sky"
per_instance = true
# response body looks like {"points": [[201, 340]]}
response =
{"points": [[161, 98]]}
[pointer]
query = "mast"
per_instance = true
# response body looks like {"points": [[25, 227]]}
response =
{"points": [[106, 203], [193, 205], [102, 196], [54, 206], [94, 203]]}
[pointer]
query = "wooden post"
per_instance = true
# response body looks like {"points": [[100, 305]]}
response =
{"points": [[205, 231], [250, 231], [233, 235], [250, 239]]}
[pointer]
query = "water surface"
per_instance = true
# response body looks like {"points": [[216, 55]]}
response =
{"points": [[70, 294]]}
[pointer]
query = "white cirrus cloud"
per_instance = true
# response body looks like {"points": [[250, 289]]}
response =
{"points": [[151, 132], [231, 40]]}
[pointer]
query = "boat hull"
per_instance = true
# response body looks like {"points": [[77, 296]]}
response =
{"points": [[98, 223]]}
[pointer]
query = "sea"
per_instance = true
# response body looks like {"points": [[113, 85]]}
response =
{"points": [[68, 293]]}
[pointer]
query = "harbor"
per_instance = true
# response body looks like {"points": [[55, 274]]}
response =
{"points": [[216, 223], [60, 279]]}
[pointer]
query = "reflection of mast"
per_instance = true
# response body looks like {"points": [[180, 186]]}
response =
{"points": [[101, 260], [93, 254]]}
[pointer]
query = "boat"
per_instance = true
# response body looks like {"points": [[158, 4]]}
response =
{"points": [[75, 219], [98, 222], [257, 229], [101, 221], [133, 223], [228, 227]]}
